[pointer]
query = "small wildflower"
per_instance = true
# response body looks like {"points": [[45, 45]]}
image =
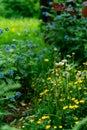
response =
{"points": [[13, 40], [50, 3], [11, 72], [20, 57], [44, 92], [64, 60], [68, 56], [55, 49], [85, 63], [31, 53], [46, 14], [39, 121], [73, 53], [76, 122], [55, 127], [66, 37], [41, 57], [14, 46], [1, 75], [65, 107], [12, 98], [80, 81], [18, 94], [75, 118], [46, 60], [71, 107], [1, 31], [31, 120], [47, 127], [82, 101], [8, 48], [60, 126], [45, 117], [75, 106], [49, 78], [41, 7]]}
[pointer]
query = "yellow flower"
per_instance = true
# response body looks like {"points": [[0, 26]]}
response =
{"points": [[45, 117], [44, 92], [55, 127], [76, 82], [85, 63], [47, 127], [79, 88], [71, 107], [65, 107], [39, 121], [75, 106], [82, 101], [76, 101], [80, 81], [31, 120], [73, 99], [76, 122], [75, 118], [62, 99], [46, 60], [60, 126], [49, 78]]}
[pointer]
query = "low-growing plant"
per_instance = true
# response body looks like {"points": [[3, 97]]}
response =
{"points": [[60, 97]]}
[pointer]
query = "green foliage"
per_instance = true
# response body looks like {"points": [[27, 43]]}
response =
{"points": [[7, 127], [53, 89], [82, 125], [19, 8], [60, 96], [70, 34]]}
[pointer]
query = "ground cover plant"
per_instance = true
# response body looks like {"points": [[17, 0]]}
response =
{"points": [[39, 88]]}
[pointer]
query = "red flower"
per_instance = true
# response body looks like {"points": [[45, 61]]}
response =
{"points": [[58, 6]]}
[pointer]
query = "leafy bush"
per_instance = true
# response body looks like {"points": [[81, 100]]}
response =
{"points": [[69, 34], [17, 8], [8, 87]]}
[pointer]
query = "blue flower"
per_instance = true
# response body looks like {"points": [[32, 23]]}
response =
{"points": [[45, 50], [14, 46], [41, 57], [30, 45], [20, 57], [11, 72], [31, 53], [18, 94], [46, 14], [12, 98], [1, 75], [66, 37], [36, 59], [8, 48], [50, 3], [59, 17], [1, 30], [41, 7]]}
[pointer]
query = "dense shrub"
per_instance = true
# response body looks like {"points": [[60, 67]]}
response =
{"points": [[17, 8], [69, 34]]}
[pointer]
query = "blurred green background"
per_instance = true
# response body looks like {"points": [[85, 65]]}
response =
{"points": [[19, 8]]}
